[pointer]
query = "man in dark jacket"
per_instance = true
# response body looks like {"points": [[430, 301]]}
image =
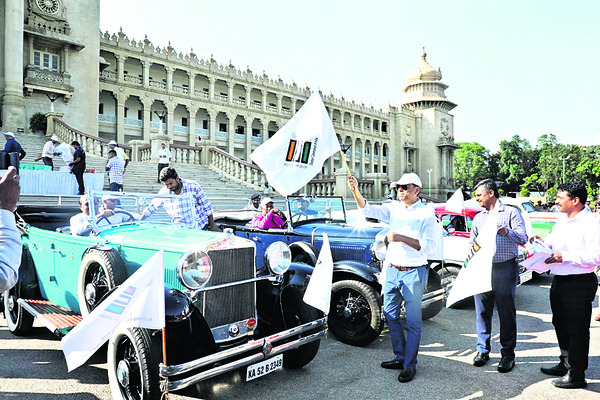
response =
{"points": [[12, 146], [78, 165]]}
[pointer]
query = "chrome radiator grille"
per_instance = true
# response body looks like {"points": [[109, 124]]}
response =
{"points": [[349, 252], [236, 303]]}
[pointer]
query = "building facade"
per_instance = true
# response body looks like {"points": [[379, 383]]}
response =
{"points": [[119, 88]]}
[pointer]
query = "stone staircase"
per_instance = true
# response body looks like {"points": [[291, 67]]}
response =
{"points": [[140, 177]]}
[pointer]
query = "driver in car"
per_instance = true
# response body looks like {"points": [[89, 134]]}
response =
{"points": [[107, 215], [304, 213]]}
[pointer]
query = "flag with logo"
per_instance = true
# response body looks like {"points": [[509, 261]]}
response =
{"points": [[476, 276], [318, 291], [296, 153], [139, 302]]}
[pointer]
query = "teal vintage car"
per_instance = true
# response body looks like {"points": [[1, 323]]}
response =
{"points": [[221, 312]]}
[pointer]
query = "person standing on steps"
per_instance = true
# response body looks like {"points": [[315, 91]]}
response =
{"points": [[164, 157], [78, 166]]}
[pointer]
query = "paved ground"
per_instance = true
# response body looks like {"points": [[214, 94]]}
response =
{"points": [[34, 368]]}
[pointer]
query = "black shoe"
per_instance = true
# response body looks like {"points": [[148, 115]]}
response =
{"points": [[481, 359], [559, 369], [392, 364], [569, 381], [506, 364], [407, 375]]}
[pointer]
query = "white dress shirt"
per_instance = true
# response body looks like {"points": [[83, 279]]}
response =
{"points": [[416, 221], [48, 150], [164, 155], [578, 240], [10, 250]]}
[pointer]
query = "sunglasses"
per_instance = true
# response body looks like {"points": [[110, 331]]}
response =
{"points": [[403, 187]]}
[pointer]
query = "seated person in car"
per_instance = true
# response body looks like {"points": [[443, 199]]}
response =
{"points": [[304, 213], [269, 217], [80, 223]]}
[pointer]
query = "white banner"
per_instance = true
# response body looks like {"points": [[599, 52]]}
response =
{"points": [[318, 292], [296, 153], [138, 302], [476, 277], [456, 203]]}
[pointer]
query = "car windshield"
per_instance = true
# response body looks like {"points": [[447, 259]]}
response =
{"points": [[304, 209], [529, 207], [109, 209]]}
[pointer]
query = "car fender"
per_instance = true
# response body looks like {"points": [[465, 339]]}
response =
{"points": [[304, 251], [355, 270]]}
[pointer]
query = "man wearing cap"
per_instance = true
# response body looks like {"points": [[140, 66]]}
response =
{"points": [[202, 214], [48, 151], [254, 204], [268, 217], [303, 212], [120, 152], [410, 239], [164, 155], [115, 167], [107, 215], [505, 275], [12, 146]]}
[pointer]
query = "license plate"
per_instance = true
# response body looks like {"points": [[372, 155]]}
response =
{"points": [[525, 276], [264, 367]]}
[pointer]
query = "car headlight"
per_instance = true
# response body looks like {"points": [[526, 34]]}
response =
{"points": [[278, 257], [378, 249], [194, 269]]}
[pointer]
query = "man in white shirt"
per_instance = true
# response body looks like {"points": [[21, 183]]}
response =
{"points": [[575, 241], [164, 157], [48, 151], [107, 215], [410, 239], [10, 238]]}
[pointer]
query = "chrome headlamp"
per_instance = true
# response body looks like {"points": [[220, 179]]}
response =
{"points": [[378, 248], [194, 269], [278, 257]]}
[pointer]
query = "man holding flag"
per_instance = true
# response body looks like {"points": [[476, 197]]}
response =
{"points": [[505, 274], [410, 239]]}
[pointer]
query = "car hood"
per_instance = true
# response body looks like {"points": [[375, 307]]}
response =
{"points": [[160, 236], [340, 230]]}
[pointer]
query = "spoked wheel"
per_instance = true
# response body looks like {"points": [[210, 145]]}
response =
{"points": [[133, 365], [18, 320], [101, 271], [356, 316]]}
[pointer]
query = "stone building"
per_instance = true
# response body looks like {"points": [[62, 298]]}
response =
{"points": [[134, 91]]}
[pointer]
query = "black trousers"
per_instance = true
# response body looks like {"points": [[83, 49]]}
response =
{"points": [[160, 167], [571, 298], [48, 161], [79, 177]]}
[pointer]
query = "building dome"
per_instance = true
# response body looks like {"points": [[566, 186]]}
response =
{"points": [[424, 71]]}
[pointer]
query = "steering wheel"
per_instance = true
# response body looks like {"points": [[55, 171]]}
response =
{"points": [[127, 213]]}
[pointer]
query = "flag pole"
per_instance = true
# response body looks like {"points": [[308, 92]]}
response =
{"points": [[347, 167], [164, 350]]}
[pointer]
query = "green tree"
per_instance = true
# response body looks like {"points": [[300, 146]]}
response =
{"points": [[470, 165], [589, 169], [517, 161]]}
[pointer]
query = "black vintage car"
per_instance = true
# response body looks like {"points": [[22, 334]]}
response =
{"points": [[222, 312], [356, 315]]}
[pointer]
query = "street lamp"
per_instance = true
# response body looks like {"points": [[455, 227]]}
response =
{"points": [[345, 147], [429, 171], [161, 116], [563, 161], [52, 97]]}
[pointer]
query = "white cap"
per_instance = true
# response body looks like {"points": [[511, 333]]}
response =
{"points": [[9, 134], [109, 197], [112, 142], [266, 201], [407, 179], [54, 138]]}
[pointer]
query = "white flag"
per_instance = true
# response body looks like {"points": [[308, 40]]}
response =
{"points": [[296, 153], [476, 277], [138, 302], [456, 203], [318, 292]]}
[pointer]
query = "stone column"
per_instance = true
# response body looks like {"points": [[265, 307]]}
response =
{"points": [[230, 86], [212, 117], [362, 160], [352, 121], [293, 106], [170, 119], [248, 137], [230, 134], [372, 163], [120, 67], [211, 88], [147, 113], [341, 184], [378, 178], [265, 131], [146, 72], [205, 152], [121, 118], [169, 79], [264, 100], [362, 124], [191, 82], [13, 104], [279, 98], [192, 128], [248, 96]]}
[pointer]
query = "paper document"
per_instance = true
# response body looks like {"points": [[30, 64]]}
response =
{"points": [[541, 251]]}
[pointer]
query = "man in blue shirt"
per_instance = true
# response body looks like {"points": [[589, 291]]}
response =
{"points": [[505, 275], [12, 146], [410, 239]]}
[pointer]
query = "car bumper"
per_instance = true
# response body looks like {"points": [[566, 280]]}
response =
{"points": [[243, 355]]}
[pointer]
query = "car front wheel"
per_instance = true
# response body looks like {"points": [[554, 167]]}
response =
{"points": [[297, 312], [434, 283], [356, 315], [133, 359]]}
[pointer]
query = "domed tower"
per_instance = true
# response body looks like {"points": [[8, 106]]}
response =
{"points": [[425, 130]]}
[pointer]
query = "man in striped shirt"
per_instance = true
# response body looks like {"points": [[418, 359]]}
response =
{"points": [[115, 167]]}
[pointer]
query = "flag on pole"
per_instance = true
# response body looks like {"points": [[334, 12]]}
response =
{"points": [[456, 203], [476, 277], [296, 153], [318, 291], [138, 302]]}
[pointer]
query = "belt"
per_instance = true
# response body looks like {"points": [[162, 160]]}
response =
{"points": [[400, 268]]}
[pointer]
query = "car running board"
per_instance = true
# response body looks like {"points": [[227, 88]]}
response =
{"points": [[54, 317]]}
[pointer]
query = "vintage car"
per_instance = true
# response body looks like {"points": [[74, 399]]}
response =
{"points": [[221, 311], [356, 315], [457, 228], [537, 222]]}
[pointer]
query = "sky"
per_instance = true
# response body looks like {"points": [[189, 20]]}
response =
{"points": [[513, 66]]}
